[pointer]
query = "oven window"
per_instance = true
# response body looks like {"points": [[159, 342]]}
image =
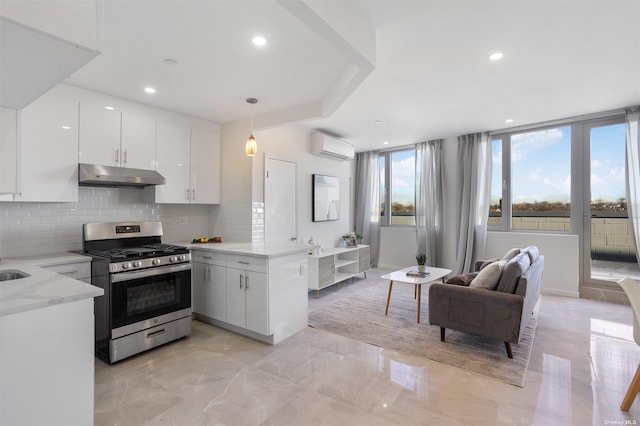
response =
{"points": [[150, 296], [144, 298]]}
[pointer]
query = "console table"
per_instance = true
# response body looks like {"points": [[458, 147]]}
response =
{"points": [[337, 264]]}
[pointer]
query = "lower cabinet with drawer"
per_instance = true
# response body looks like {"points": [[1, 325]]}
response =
{"points": [[258, 296]]}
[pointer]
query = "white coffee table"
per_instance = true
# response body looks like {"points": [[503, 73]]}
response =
{"points": [[401, 276]]}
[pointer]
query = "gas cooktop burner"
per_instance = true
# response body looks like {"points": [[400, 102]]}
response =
{"points": [[141, 252]]}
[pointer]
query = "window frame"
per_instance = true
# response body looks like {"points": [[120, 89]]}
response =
{"points": [[385, 195], [578, 192]]}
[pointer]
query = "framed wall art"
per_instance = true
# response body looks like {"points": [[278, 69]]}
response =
{"points": [[326, 198]]}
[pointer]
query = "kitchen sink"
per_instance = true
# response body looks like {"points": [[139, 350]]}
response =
{"points": [[12, 274]]}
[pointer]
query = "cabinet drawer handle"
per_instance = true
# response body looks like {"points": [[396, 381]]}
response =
{"points": [[242, 262], [193, 194], [125, 157], [246, 282], [240, 281], [69, 272], [116, 156], [207, 257], [155, 333], [186, 194]]}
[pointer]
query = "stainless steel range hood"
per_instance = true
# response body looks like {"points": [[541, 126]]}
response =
{"points": [[97, 175]]}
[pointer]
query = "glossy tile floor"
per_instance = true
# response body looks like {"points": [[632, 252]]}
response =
{"points": [[582, 361]]}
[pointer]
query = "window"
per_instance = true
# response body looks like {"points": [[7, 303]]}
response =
{"points": [[531, 180], [397, 194], [495, 204]]}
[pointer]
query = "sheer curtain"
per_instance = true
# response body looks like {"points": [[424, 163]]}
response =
{"points": [[632, 116], [472, 202], [367, 208], [429, 200]]}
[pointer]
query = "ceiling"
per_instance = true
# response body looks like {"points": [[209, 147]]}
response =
{"points": [[420, 68]]}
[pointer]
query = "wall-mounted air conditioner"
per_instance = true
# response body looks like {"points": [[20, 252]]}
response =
{"points": [[327, 146]]}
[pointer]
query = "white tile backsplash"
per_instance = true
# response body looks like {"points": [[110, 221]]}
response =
{"points": [[39, 228]]}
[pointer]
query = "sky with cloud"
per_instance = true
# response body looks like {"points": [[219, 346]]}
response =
{"points": [[541, 166]]}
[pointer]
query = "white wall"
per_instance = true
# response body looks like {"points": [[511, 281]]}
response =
{"points": [[293, 143], [561, 258]]}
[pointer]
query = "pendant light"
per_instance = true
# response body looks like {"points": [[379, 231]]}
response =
{"points": [[251, 147]]}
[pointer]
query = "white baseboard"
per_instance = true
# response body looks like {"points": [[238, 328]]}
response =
{"points": [[556, 292]]}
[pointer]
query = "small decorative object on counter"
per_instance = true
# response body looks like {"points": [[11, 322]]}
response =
{"points": [[312, 246], [421, 258], [351, 239]]}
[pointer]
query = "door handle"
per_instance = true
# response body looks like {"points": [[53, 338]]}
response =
{"points": [[186, 194], [241, 281], [116, 156], [246, 282], [125, 157]]}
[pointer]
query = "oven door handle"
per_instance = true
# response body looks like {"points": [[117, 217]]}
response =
{"points": [[149, 272]]}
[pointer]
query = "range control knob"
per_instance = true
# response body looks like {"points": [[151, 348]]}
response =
{"points": [[181, 257], [137, 264], [173, 259], [155, 261], [126, 265]]}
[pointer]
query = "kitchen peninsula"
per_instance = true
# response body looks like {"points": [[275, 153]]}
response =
{"points": [[46, 346], [255, 289]]}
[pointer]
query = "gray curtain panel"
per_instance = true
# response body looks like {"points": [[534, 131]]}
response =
{"points": [[632, 175], [429, 200], [367, 208], [472, 198]]}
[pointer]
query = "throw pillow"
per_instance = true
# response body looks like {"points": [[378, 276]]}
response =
{"points": [[464, 279], [487, 263], [511, 254], [488, 278], [533, 253], [512, 272]]}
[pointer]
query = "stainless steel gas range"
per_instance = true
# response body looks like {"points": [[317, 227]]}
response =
{"points": [[147, 287]]}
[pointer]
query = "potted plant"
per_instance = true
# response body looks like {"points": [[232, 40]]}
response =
{"points": [[421, 258], [351, 239]]}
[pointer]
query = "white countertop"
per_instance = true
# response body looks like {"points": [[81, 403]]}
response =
{"points": [[250, 249], [43, 288], [51, 259]]}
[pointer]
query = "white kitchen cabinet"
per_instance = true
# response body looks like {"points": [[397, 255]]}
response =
{"points": [[266, 296], [209, 285], [337, 264], [111, 137], [205, 167], [48, 143], [8, 151], [47, 365], [173, 162], [99, 135], [247, 296], [138, 143], [189, 159]]}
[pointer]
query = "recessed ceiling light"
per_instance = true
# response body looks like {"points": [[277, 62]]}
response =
{"points": [[150, 90], [66, 128], [509, 120], [259, 41], [170, 61], [496, 56], [378, 121], [385, 143], [110, 108]]}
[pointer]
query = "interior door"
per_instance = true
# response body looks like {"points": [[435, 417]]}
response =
{"points": [[280, 200]]}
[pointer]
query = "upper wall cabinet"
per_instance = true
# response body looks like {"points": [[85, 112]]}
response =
{"points": [[111, 137], [60, 37], [205, 167], [48, 143], [189, 159], [8, 151]]}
